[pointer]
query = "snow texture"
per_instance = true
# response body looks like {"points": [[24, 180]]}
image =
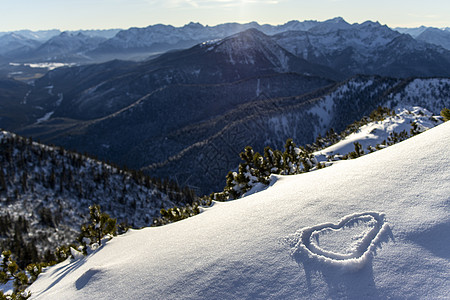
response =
{"points": [[374, 133], [359, 252], [391, 241], [50, 65]]}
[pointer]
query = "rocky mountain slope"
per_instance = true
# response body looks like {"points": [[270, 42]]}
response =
{"points": [[13, 43]]}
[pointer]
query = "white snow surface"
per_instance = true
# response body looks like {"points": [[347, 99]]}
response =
{"points": [[49, 65], [375, 227], [374, 133], [45, 117]]}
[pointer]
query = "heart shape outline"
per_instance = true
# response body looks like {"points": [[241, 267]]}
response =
{"points": [[355, 259]]}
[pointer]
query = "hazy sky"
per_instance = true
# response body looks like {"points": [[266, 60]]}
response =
{"points": [[101, 14]]}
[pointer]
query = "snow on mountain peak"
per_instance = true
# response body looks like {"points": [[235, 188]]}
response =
{"points": [[337, 20], [251, 45], [194, 25], [331, 25]]}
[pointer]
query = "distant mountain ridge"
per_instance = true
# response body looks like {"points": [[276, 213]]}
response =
{"points": [[436, 36], [65, 46], [164, 37], [15, 42], [140, 43]]}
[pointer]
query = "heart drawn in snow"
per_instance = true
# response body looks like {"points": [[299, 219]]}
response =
{"points": [[349, 242]]}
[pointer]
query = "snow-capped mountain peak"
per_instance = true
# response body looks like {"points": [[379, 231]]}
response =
{"points": [[331, 25], [250, 46]]}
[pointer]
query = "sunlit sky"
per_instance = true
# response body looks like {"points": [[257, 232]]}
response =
{"points": [[103, 14]]}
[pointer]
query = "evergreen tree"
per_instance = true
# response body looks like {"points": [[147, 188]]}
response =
{"points": [[358, 149], [290, 158], [100, 226], [445, 113], [9, 271], [3, 186], [273, 161]]}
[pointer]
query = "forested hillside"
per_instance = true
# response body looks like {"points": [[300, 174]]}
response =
{"points": [[45, 193]]}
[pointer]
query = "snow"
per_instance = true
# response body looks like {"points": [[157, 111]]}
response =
{"points": [[258, 88], [287, 242], [420, 92], [49, 65], [330, 36], [338, 236], [25, 98], [45, 117], [50, 89], [323, 110], [60, 99], [210, 42], [375, 133]]}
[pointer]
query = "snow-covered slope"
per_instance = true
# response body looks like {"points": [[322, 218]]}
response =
{"points": [[367, 48], [380, 133], [374, 227]]}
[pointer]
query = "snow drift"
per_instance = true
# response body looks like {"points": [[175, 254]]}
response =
{"points": [[287, 242]]}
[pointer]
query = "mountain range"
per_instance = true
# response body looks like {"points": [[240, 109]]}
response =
{"points": [[187, 114], [141, 43]]}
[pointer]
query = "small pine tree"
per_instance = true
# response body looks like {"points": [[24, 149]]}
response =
{"points": [[9, 271], [290, 158], [358, 149], [273, 161], [445, 113], [3, 186], [230, 190], [100, 226]]}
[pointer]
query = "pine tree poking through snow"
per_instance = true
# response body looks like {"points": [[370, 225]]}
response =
{"points": [[256, 169], [10, 272], [101, 226], [445, 113]]}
